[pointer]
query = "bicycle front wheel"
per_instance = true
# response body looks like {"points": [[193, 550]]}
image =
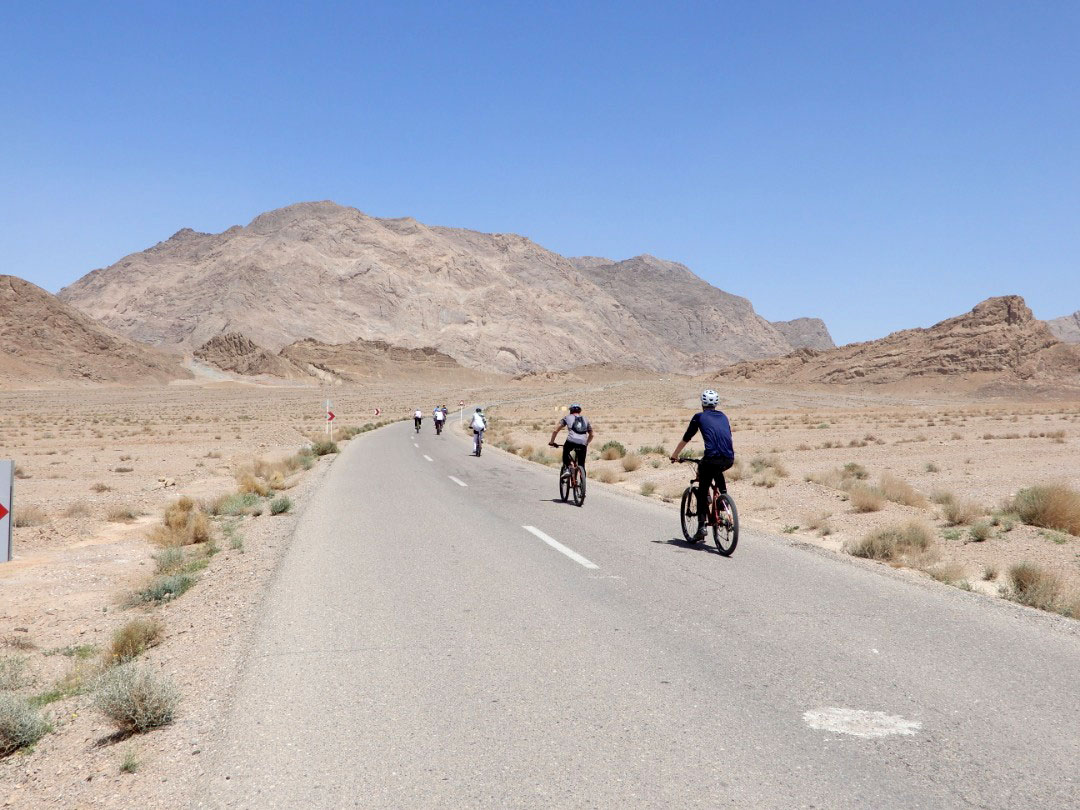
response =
{"points": [[726, 528], [688, 515]]}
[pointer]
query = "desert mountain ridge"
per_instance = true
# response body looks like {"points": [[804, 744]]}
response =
{"points": [[1066, 328], [498, 302], [44, 340], [997, 345]]}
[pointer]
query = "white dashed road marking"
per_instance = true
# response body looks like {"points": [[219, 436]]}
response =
{"points": [[429, 458], [860, 723], [555, 544], [457, 481]]}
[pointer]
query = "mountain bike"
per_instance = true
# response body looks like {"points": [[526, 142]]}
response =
{"points": [[478, 442], [438, 427], [416, 424], [723, 517], [571, 480]]}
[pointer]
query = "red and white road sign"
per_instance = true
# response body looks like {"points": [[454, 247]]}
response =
{"points": [[461, 403], [330, 416], [7, 491], [377, 411], [3, 511]]}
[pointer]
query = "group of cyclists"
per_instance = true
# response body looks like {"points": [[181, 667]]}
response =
{"points": [[710, 422]]}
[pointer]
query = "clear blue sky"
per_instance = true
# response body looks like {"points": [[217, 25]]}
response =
{"points": [[879, 164]]}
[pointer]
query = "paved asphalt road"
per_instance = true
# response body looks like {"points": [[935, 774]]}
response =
{"points": [[421, 648]]}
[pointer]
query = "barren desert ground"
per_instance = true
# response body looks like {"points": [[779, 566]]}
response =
{"points": [[98, 467]]}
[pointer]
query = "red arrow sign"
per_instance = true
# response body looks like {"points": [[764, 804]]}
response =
{"points": [[330, 416], [377, 411], [3, 511]]}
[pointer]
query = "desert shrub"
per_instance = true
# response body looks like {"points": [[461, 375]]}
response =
{"points": [[856, 471], [183, 523], [961, 513], [980, 531], [99, 487], [136, 699], [949, 573], [990, 572], [1050, 506], [121, 513], [324, 447], [612, 450], [771, 464], [931, 467], [163, 588], [942, 497], [280, 506], [866, 499], [540, 457], [134, 638], [170, 560], [766, 478], [820, 523], [736, 472], [631, 462], [899, 491], [21, 724], [13, 672], [648, 488], [1006, 521], [656, 449], [1034, 586], [691, 452], [31, 515], [240, 503], [608, 476], [892, 542], [250, 484], [77, 510], [21, 472]]}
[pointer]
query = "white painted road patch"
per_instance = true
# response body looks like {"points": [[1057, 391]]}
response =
{"points": [[860, 723], [457, 481], [555, 544], [429, 458]]}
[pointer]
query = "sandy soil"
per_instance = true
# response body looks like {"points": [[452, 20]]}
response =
{"points": [[86, 453]]}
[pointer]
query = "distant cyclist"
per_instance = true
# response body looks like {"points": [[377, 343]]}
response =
{"points": [[478, 425], [439, 415], [418, 417], [719, 451], [579, 433]]}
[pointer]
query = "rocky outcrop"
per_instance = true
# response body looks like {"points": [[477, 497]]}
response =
{"points": [[496, 302], [44, 340], [998, 341], [234, 352], [1066, 328], [806, 333], [366, 359]]}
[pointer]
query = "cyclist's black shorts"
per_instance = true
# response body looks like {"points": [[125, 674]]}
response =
{"points": [[578, 450]]}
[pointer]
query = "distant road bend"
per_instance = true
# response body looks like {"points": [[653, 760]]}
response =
{"points": [[442, 632]]}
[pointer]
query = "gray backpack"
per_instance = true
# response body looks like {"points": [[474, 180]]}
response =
{"points": [[580, 425]]}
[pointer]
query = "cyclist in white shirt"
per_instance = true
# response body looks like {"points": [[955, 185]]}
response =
{"points": [[418, 417], [478, 425]]}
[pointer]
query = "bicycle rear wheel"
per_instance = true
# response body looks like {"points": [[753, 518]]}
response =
{"points": [[726, 529], [564, 484], [688, 515], [579, 488]]}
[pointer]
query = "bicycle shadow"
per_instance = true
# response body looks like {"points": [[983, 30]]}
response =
{"points": [[680, 542], [559, 501]]}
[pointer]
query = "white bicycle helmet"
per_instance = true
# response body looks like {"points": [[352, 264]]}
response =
{"points": [[710, 397]]}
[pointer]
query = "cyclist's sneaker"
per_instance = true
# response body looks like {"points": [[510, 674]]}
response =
{"points": [[700, 534]]}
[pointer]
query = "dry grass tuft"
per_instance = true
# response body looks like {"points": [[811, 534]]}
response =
{"points": [[1050, 506], [21, 724], [1034, 586], [631, 462], [961, 513], [893, 543], [77, 510], [136, 699], [866, 499], [608, 476], [31, 515], [820, 523], [183, 524], [648, 488], [120, 514], [134, 638], [899, 491]]}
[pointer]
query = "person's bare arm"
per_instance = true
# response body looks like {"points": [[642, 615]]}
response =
{"points": [[678, 449], [555, 432], [591, 436]]}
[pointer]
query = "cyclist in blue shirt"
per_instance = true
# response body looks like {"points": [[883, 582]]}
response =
{"points": [[719, 451]]}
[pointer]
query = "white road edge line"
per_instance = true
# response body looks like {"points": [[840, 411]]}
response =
{"points": [[555, 544], [457, 481], [429, 458]]}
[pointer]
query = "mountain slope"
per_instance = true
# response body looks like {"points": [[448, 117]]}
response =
{"points": [[1066, 328], [806, 333], [332, 274], [998, 342], [44, 340]]}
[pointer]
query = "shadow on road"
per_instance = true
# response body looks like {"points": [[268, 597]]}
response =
{"points": [[679, 542]]}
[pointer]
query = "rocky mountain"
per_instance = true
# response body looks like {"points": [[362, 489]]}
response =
{"points": [[998, 342], [44, 340], [806, 333], [498, 302], [1066, 328], [360, 360]]}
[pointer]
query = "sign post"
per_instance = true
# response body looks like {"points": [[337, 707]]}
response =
{"points": [[7, 493], [330, 416], [461, 411]]}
